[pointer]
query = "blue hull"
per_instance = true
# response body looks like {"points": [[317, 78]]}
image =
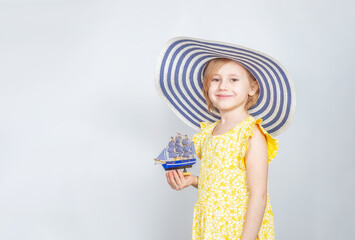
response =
{"points": [[179, 164]]}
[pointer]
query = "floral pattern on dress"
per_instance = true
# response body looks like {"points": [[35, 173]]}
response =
{"points": [[223, 194]]}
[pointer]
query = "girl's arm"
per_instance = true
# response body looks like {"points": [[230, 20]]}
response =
{"points": [[256, 160], [178, 181]]}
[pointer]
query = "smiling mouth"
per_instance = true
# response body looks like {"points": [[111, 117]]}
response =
{"points": [[223, 96]]}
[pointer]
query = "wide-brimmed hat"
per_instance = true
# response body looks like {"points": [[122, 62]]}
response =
{"points": [[179, 80]]}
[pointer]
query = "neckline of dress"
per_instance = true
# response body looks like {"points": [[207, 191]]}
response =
{"points": [[215, 124]]}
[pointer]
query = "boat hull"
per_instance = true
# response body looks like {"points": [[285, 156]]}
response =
{"points": [[179, 164]]}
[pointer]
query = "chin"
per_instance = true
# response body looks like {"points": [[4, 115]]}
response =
{"points": [[225, 108]]}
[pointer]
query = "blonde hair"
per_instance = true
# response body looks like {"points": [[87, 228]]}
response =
{"points": [[211, 68]]}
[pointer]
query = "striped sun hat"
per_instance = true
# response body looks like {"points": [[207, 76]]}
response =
{"points": [[179, 81]]}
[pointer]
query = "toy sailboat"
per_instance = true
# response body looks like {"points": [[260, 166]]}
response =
{"points": [[179, 154]]}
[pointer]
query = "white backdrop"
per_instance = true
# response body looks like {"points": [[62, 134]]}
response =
{"points": [[81, 121]]}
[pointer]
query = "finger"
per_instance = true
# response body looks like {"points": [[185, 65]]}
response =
{"points": [[168, 178], [177, 178], [184, 179], [181, 175], [173, 183]]}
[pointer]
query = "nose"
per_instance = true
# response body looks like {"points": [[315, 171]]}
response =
{"points": [[223, 85]]}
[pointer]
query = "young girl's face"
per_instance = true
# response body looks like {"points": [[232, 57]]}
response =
{"points": [[230, 87]]}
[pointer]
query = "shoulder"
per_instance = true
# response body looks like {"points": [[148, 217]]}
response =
{"points": [[262, 141], [203, 125], [257, 132], [205, 128], [257, 139], [257, 152]]}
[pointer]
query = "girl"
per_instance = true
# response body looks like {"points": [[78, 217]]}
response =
{"points": [[233, 200]]}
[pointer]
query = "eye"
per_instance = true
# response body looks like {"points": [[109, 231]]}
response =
{"points": [[234, 80], [215, 80]]}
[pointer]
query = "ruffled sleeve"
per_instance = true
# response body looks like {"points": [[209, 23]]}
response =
{"points": [[272, 143], [198, 138]]}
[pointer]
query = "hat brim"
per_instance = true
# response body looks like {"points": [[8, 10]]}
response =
{"points": [[179, 81]]}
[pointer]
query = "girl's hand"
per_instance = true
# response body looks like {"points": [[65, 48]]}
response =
{"points": [[178, 181]]}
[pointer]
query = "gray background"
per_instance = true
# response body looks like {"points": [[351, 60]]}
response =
{"points": [[81, 121]]}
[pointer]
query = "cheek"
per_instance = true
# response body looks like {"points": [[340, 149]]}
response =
{"points": [[210, 91], [211, 94]]}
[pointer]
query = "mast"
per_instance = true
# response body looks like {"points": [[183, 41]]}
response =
{"points": [[186, 147], [178, 146], [171, 148]]}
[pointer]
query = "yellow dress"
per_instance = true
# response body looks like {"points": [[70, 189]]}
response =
{"points": [[223, 194]]}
